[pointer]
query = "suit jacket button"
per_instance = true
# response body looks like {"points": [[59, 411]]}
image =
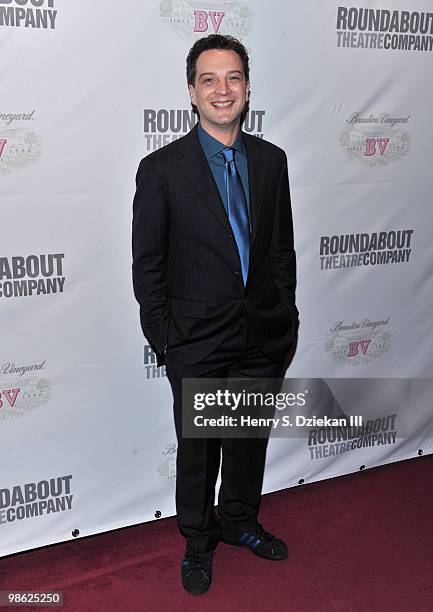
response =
{"points": [[236, 272]]}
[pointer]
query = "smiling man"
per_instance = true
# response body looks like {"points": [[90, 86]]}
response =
{"points": [[214, 273]]}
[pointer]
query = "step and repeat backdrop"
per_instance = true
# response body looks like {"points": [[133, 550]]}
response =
{"points": [[87, 442]]}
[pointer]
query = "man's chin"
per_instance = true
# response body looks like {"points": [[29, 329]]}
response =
{"points": [[225, 121]]}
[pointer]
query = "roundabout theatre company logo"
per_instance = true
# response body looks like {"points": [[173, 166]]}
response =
{"points": [[150, 366], [376, 140], [31, 275], [376, 248], [369, 28], [19, 145], [38, 14], [164, 125], [32, 499], [331, 441]]}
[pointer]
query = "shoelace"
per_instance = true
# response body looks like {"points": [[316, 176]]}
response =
{"points": [[262, 534], [195, 557]]}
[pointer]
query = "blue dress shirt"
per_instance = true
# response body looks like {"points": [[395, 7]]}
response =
{"points": [[212, 149]]}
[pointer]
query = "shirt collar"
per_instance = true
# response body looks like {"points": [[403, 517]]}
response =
{"points": [[212, 146]]}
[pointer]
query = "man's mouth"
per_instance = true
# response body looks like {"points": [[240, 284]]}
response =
{"points": [[222, 104]]}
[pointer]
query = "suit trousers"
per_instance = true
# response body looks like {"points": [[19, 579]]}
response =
{"points": [[198, 459]]}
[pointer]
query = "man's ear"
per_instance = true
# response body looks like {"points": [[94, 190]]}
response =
{"points": [[192, 93]]}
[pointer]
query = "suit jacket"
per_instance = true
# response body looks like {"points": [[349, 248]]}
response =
{"points": [[186, 268]]}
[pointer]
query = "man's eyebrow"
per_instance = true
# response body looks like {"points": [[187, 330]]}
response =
{"points": [[213, 73]]}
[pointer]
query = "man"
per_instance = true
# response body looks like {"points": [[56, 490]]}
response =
{"points": [[214, 274]]}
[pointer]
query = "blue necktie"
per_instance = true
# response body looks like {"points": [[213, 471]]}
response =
{"points": [[237, 210]]}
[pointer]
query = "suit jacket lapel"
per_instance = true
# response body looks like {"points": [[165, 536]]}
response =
{"points": [[256, 179], [194, 166]]}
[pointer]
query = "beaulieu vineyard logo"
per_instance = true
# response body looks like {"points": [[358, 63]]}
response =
{"points": [[359, 342], [167, 469], [20, 397], [21, 391], [194, 19], [20, 146], [376, 140]]}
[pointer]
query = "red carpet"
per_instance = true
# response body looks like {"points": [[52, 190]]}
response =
{"points": [[358, 542]]}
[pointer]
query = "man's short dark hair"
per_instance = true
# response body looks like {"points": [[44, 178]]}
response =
{"points": [[215, 41]]}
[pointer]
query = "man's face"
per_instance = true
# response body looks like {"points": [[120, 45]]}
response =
{"points": [[220, 91]]}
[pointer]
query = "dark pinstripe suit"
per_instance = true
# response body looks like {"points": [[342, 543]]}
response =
{"points": [[194, 309]]}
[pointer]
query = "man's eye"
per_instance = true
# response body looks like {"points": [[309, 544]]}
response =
{"points": [[209, 80], [235, 78]]}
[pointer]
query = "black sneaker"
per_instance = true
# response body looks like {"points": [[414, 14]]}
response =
{"points": [[259, 541], [197, 570]]}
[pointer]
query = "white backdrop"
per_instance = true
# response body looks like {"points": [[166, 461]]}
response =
{"points": [[87, 442]]}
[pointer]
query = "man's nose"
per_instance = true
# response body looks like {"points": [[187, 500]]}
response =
{"points": [[222, 87]]}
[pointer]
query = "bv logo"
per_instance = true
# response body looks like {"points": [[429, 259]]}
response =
{"points": [[353, 347], [201, 20], [10, 395], [370, 145], [187, 18]]}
